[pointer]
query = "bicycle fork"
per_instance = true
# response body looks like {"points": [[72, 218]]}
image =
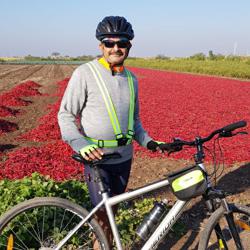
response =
{"points": [[232, 226], [228, 213]]}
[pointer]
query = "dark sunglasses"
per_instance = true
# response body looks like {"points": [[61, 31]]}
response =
{"points": [[120, 44]]}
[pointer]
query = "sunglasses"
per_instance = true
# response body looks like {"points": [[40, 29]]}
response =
{"points": [[120, 44]]}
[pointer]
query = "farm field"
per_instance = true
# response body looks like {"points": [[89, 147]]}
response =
{"points": [[172, 105]]}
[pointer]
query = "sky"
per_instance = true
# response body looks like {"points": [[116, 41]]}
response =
{"points": [[176, 28]]}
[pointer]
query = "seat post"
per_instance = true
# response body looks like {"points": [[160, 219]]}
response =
{"points": [[99, 179]]}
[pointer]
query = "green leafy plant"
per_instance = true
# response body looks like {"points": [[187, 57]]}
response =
{"points": [[129, 217], [14, 192]]}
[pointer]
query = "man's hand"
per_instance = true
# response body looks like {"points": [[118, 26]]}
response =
{"points": [[91, 152], [154, 146]]}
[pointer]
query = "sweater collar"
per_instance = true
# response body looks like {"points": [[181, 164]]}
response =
{"points": [[115, 69]]}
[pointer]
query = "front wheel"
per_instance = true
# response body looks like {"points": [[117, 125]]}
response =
{"points": [[218, 233], [41, 223]]}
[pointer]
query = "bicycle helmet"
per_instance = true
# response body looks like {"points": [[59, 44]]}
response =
{"points": [[114, 26]]}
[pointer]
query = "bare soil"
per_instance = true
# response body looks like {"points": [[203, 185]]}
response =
{"points": [[145, 170]]}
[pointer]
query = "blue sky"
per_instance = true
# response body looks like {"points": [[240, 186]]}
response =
{"points": [[173, 28]]}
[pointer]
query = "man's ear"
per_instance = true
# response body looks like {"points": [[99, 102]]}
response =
{"points": [[128, 49]]}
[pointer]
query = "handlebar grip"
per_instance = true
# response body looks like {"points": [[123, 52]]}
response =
{"points": [[234, 126], [105, 157], [165, 146], [171, 147]]}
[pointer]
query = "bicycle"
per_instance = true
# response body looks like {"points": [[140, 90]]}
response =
{"points": [[54, 223]]}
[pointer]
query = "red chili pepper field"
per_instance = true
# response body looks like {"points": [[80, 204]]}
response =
{"points": [[171, 105]]}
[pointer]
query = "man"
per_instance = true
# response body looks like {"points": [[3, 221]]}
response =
{"points": [[105, 96]]}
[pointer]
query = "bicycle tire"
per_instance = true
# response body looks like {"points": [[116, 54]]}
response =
{"points": [[241, 215], [34, 224]]}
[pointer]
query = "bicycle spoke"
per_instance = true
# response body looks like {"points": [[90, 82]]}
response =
{"points": [[43, 222], [60, 229], [34, 237], [54, 224], [37, 235], [68, 222]]}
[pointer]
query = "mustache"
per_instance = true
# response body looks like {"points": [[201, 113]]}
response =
{"points": [[117, 53]]}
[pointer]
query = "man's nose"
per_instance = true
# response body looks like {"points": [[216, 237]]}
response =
{"points": [[116, 47]]}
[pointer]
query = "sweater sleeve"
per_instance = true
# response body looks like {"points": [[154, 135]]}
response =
{"points": [[141, 136], [72, 103]]}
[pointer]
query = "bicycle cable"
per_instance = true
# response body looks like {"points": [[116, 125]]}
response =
{"points": [[217, 163], [214, 161], [222, 160]]}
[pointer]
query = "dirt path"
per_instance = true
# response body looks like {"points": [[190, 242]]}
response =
{"points": [[43, 74]]}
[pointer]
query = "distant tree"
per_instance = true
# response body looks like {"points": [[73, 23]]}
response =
{"points": [[163, 57], [32, 58], [198, 56], [211, 55]]}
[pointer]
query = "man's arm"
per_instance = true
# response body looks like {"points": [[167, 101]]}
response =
{"points": [[141, 136], [72, 103]]}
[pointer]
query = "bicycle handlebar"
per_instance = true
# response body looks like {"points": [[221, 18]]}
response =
{"points": [[223, 132], [173, 146]]}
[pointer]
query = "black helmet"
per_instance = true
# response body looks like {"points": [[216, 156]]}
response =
{"points": [[114, 26]]}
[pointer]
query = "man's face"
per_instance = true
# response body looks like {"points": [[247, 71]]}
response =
{"points": [[115, 53]]}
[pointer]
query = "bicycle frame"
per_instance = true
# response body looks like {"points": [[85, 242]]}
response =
{"points": [[167, 222]]}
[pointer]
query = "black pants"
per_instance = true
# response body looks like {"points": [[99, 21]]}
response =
{"points": [[115, 179]]}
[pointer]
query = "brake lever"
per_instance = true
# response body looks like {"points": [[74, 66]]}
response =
{"points": [[241, 133]]}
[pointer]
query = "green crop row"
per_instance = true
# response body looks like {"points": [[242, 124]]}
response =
{"points": [[236, 68]]}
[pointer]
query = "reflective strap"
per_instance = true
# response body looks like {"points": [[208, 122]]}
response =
{"points": [[131, 105], [106, 143], [108, 102]]}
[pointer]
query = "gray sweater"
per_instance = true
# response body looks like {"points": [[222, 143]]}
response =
{"points": [[83, 98]]}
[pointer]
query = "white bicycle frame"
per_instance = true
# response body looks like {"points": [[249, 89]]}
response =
{"points": [[163, 228]]}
